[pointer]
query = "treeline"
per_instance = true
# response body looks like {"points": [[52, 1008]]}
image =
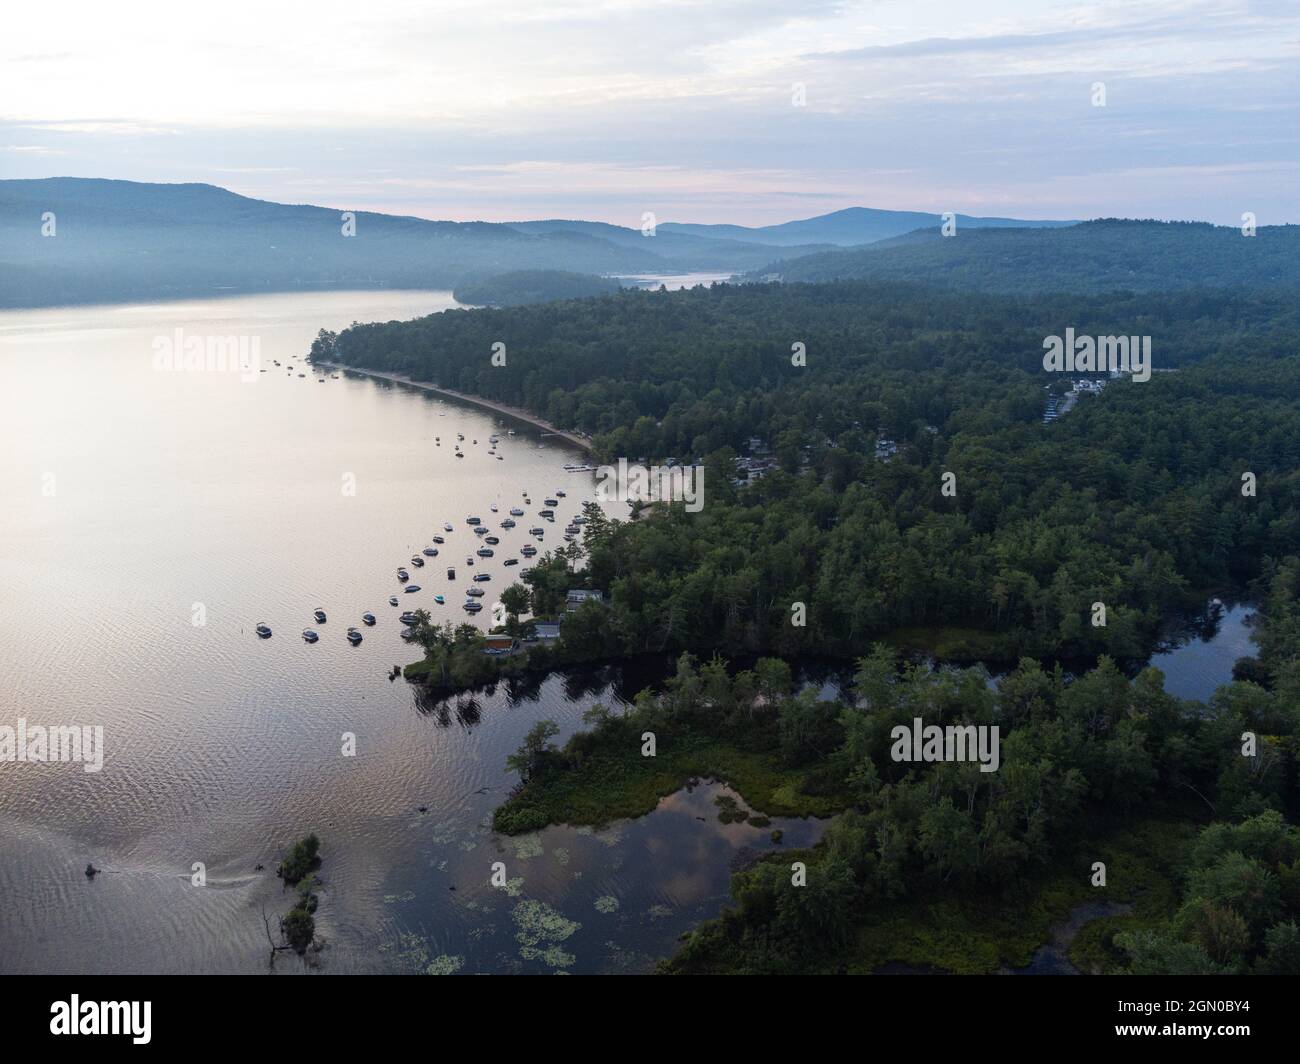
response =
{"points": [[521, 287], [685, 373], [1109, 254]]}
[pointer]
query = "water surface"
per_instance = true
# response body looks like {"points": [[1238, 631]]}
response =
{"points": [[152, 518]]}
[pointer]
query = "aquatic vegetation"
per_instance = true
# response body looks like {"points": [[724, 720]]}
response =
{"points": [[607, 904], [729, 811], [528, 846], [540, 930], [446, 964]]}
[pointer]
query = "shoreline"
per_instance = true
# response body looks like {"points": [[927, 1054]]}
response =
{"points": [[487, 404]]}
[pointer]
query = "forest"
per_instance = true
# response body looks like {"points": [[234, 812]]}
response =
{"points": [[1108, 254], [1135, 499], [944, 866], [1142, 499]]}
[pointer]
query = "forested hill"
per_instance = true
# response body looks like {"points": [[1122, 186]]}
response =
{"points": [[683, 373], [521, 287], [121, 240], [1099, 256], [853, 225]]}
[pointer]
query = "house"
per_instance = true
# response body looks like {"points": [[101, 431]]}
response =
{"points": [[546, 630], [577, 596], [498, 644]]}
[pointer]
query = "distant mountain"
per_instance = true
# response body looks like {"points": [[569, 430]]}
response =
{"points": [[854, 225], [687, 250], [1105, 255], [123, 240]]}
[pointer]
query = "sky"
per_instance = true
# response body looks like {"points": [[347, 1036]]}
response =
{"points": [[742, 111]]}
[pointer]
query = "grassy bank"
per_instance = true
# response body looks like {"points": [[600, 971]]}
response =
{"points": [[611, 785]]}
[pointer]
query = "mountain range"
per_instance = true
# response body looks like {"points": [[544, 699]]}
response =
{"points": [[112, 241]]}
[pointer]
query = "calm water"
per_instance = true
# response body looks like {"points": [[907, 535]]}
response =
{"points": [[138, 502], [1202, 650]]}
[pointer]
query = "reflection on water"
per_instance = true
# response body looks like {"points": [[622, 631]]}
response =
{"points": [[1202, 649], [150, 520]]}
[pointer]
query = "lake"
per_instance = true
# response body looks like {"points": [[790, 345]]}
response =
{"points": [[152, 518]]}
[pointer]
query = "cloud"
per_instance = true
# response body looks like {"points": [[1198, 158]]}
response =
{"points": [[605, 108]]}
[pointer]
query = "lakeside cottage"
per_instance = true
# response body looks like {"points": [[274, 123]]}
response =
{"points": [[496, 644], [577, 596]]}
